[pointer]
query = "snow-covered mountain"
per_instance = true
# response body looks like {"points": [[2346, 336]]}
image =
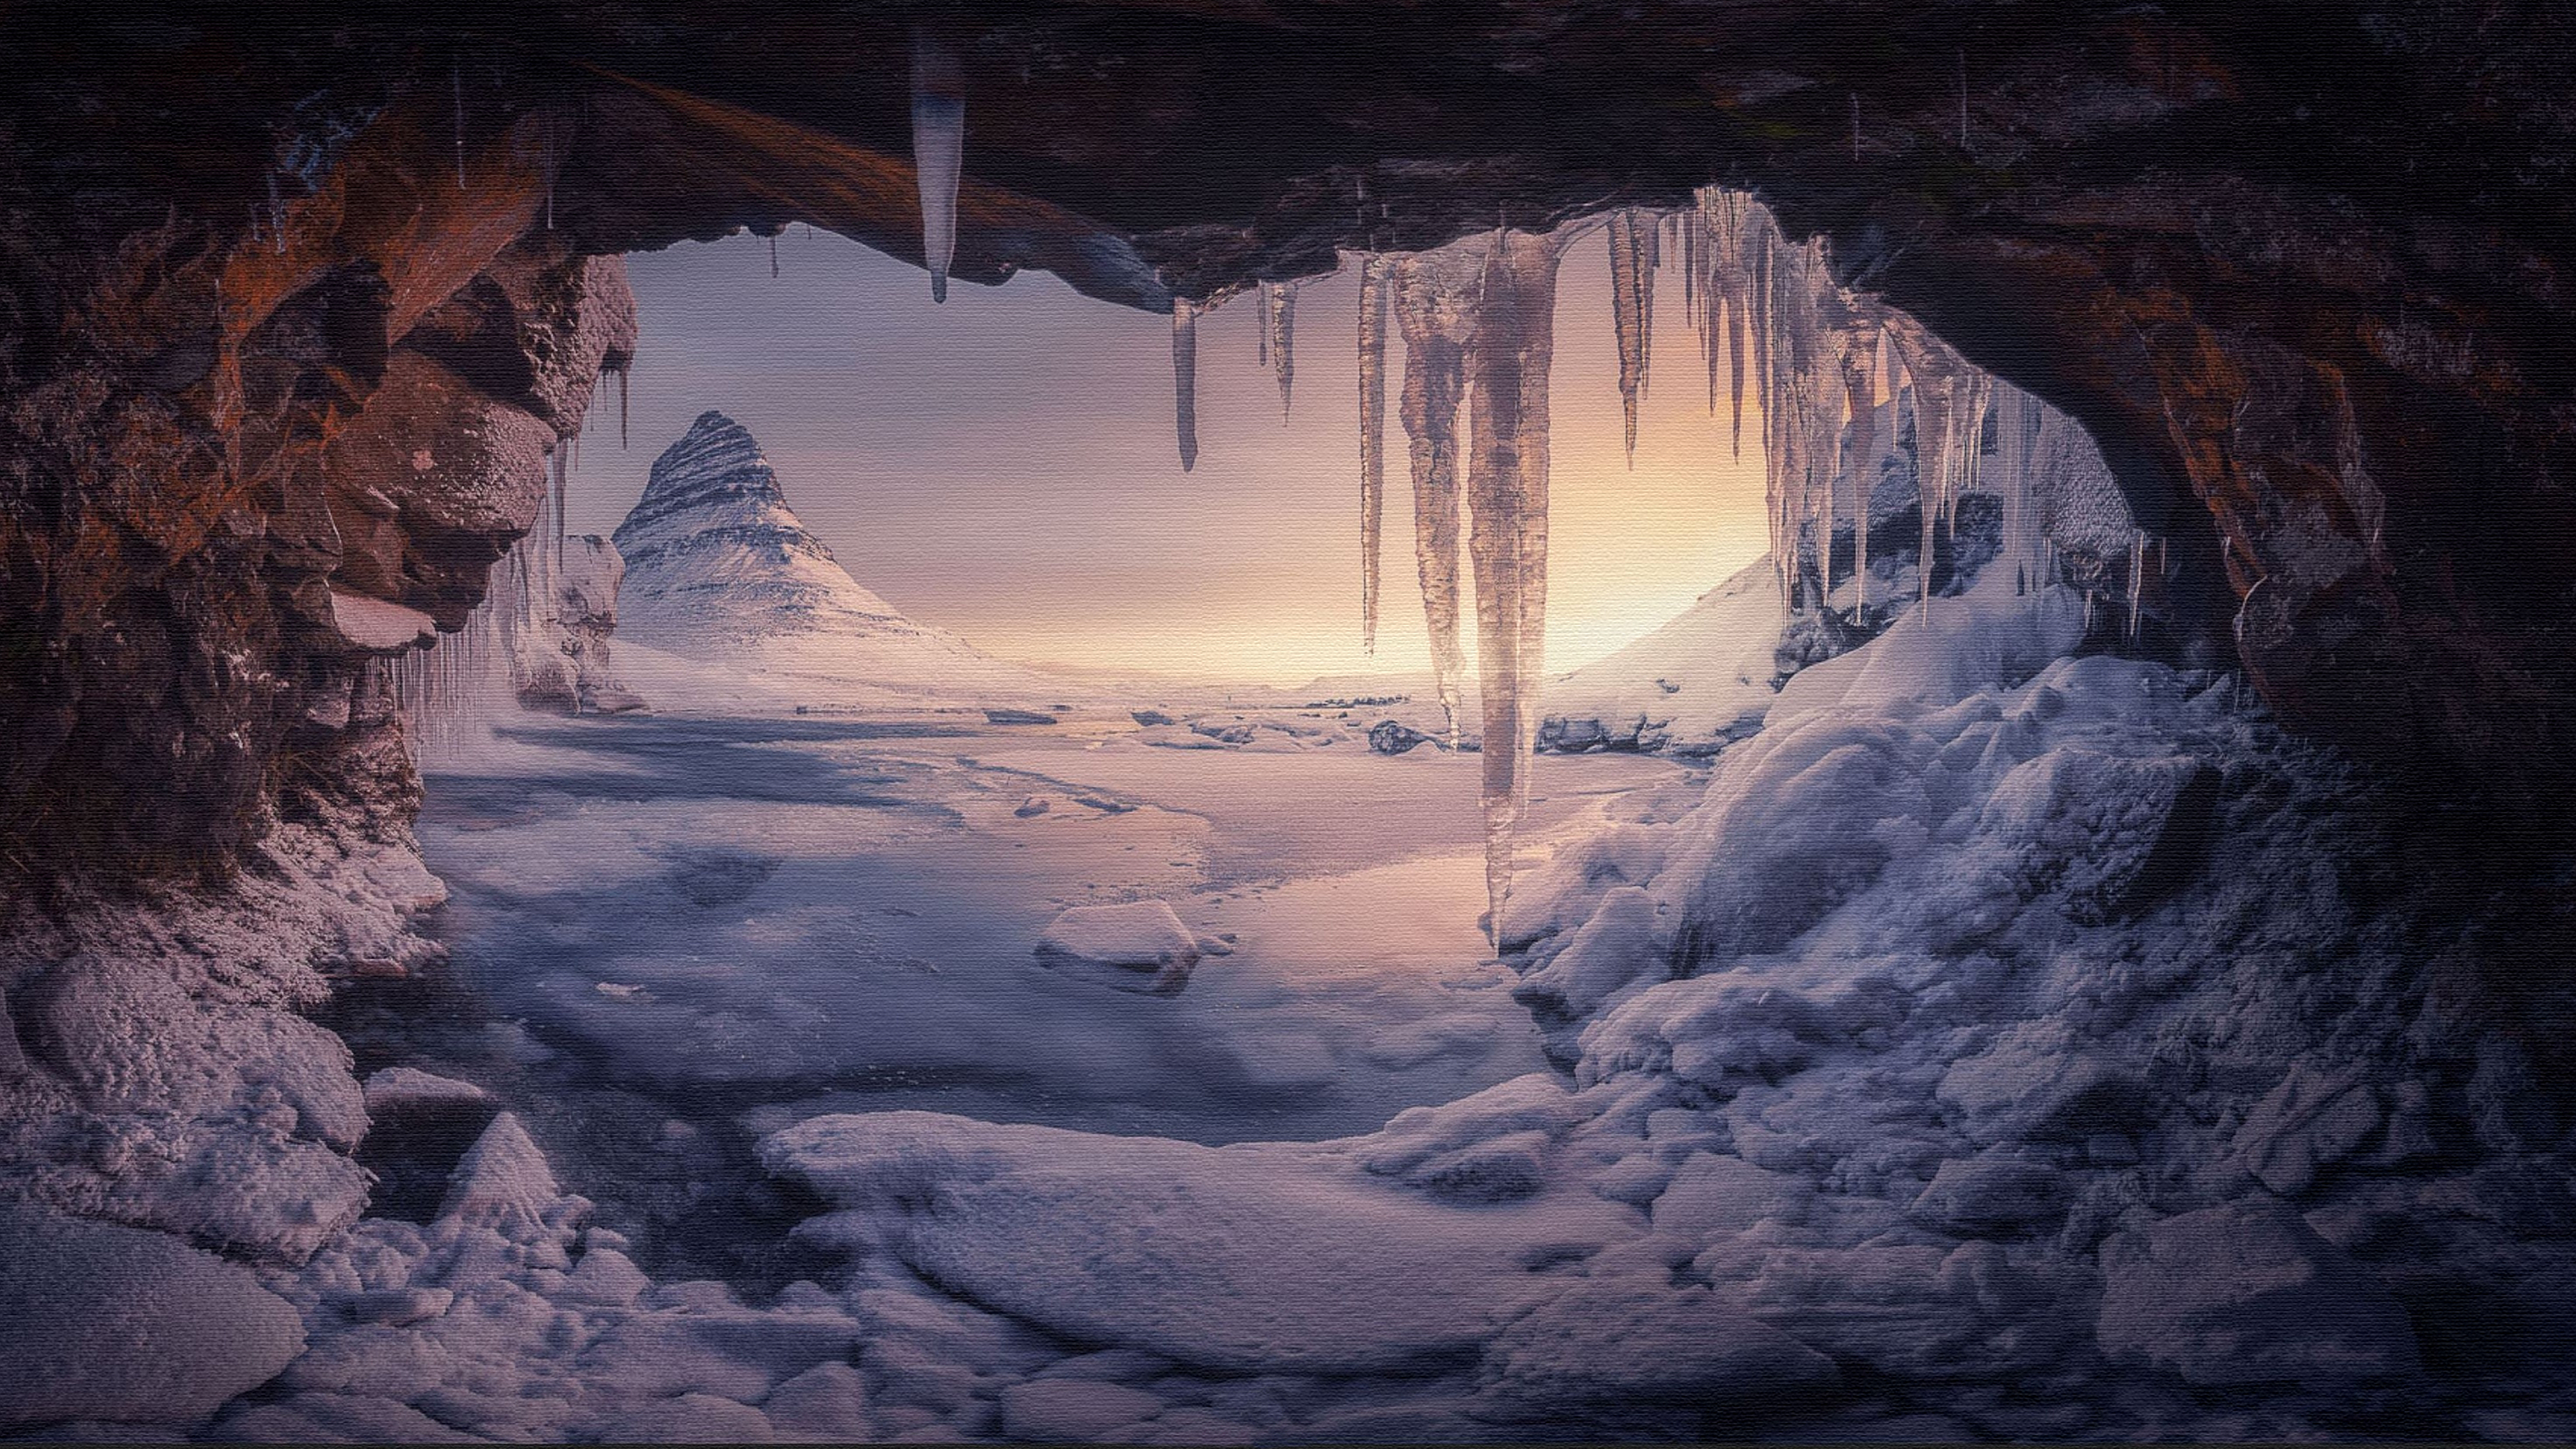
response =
{"points": [[1702, 679], [720, 570]]}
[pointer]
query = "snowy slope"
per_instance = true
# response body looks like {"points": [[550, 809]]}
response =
{"points": [[1689, 687], [720, 570]]}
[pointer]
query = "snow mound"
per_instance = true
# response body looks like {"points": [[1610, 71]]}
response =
{"points": [[1689, 688], [394, 1092], [99, 1322], [502, 1177], [1137, 945], [1260, 1258]]}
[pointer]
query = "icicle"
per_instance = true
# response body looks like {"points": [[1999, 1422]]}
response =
{"points": [[773, 258], [1507, 497], [1185, 379], [621, 403], [938, 150], [1279, 335], [1860, 404], [1374, 272], [2137, 582], [457, 74], [1432, 309], [1632, 290]]}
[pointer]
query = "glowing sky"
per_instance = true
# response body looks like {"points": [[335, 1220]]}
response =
{"points": [[1004, 466]]}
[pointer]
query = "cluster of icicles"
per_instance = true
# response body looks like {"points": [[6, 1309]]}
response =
{"points": [[447, 693], [1831, 374]]}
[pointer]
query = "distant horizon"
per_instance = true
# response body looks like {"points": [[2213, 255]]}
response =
{"points": [[1024, 400]]}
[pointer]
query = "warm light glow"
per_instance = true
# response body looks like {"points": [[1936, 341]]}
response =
{"points": [[1003, 466]]}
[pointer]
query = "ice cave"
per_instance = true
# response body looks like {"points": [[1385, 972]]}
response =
{"points": [[714, 725]]}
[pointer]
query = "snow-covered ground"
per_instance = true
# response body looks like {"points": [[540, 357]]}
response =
{"points": [[1997, 1044]]}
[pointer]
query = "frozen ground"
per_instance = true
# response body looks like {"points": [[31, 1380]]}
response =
{"points": [[673, 933], [1996, 1045]]}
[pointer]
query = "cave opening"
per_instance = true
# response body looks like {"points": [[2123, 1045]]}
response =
{"points": [[2009, 907]]}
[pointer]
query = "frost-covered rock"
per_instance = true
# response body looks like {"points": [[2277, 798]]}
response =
{"points": [[1628, 1340], [393, 1092], [1259, 1258], [502, 1180], [1134, 945], [2313, 1120], [99, 1322], [1073, 1409], [2111, 835], [2247, 1293]]}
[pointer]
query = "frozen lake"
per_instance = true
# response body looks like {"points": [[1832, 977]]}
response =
{"points": [[673, 934]]}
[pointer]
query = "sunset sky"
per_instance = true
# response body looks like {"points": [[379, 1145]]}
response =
{"points": [[1004, 465]]}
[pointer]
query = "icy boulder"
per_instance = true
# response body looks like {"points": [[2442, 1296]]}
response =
{"points": [[2111, 835], [502, 1178], [2245, 1294], [1625, 1341], [1135, 946], [1255, 1258], [99, 1322], [397, 1092]]}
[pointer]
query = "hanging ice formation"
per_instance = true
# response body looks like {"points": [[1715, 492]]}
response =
{"points": [[938, 150], [1435, 296], [1632, 306], [1279, 335], [1848, 394], [1374, 300], [1507, 368], [1185, 374], [446, 693]]}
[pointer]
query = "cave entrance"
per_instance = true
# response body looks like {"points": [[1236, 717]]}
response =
{"points": [[947, 635]]}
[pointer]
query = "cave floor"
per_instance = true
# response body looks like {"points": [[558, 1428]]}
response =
{"points": [[672, 935]]}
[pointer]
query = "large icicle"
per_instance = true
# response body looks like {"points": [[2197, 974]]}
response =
{"points": [[1507, 497], [1279, 335], [1185, 379], [1434, 294], [1632, 290], [1861, 348], [1374, 299], [938, 150]]}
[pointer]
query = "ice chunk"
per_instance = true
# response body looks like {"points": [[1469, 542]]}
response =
{"points": [[102, 1322], [1992, 1193], [2313, 1120], [1259, 1258], [408, 1091], [827, 1401], [938, 150], [2248, 1293], [1073, 1409], [1627, 1340], [502, 1180], [1137, 946]]}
